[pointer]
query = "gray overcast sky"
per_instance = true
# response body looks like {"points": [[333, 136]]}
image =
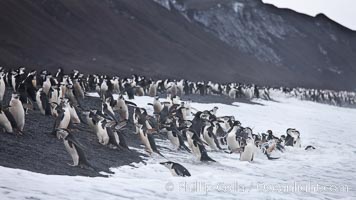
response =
{"points": [[341, 11]]}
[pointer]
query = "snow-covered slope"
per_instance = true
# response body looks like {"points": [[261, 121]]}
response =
{"points": [[327, 172]]}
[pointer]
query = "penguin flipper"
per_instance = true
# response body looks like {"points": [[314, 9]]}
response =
{"points": [[309, 147], [73, 140], [83, 162], [182, 145], [129, 103], [159, 153], [121, 125]]}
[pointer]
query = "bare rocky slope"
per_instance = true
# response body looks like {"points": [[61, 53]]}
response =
{"points": [[220, 40]]}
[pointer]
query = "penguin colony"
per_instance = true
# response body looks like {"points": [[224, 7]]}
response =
{"points": [[59, 96]]}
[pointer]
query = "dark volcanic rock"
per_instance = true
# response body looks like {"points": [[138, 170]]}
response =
{"points": [[39, 151], [220, 40]]}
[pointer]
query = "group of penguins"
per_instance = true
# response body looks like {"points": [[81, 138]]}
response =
{"points": [[197, 132], [340, 98]]}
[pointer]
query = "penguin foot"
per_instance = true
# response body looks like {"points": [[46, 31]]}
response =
{"points": [[72, 165]]}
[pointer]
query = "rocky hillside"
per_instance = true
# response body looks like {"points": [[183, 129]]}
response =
{"points": [[221, 40]]}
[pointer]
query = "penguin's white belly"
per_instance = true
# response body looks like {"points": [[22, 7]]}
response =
{"points": [[157, 107], [5, 123], [196, 151], [46, 87], [174, 140], [231, 142], [210, 141], [66, 119], [39, 103], [62, 93], [2, 89], [74, 116], [13, 81], [140, 91], [117, 139], [72, 152], [232, 93], [90, 122], [248, 153], [190, 142], [297, 143], [116, 87], [54, 97], [184, 114], [173, 172], [18, 112], [102, 136], [147, 144], [152, 91], [124, 114]]}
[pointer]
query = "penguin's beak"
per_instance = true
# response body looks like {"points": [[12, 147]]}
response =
{"points": [[162, 163]]}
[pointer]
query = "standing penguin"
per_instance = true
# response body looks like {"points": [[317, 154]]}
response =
{"points": [[47, 84], [129, 89], [101, 131], [77, 89], [59, 74], [176, 169], [17, 111], [197, 146], [89, 118], [73, 148], [63, 118], [108, 110], [233, 141], [121, 106], [43, 103], [116, 138], [248, 150], [157, 105], [147, 139], [152, 91], [175, 136], [210, 137], [144, 138]]}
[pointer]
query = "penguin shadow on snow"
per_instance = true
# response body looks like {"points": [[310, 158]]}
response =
{"points": [[218, 99]]}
